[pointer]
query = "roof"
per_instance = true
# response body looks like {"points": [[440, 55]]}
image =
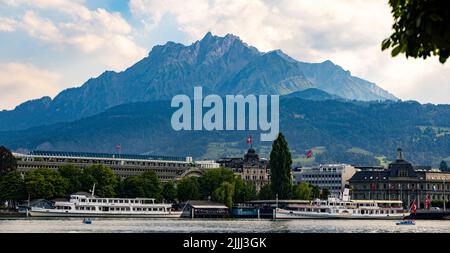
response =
{"points": [[273, 201], [106, 155], [206, 204]]}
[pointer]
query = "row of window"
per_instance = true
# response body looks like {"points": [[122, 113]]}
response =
{"points": [[322, 175], [380, 186]]}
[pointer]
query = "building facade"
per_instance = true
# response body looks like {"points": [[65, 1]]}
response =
{"points": [[334, 177], [251, 168], [401, 181], [166, 167]]}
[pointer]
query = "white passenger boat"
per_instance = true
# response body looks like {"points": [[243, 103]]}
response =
{"points": [[344, 208], [90, 206]]}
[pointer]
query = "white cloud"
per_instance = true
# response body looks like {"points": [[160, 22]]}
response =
{"points": [[20, 82], [7, 24], [348, 32], [99, 34]]}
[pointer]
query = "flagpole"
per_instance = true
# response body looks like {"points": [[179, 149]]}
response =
{"points": [[445, 197]]}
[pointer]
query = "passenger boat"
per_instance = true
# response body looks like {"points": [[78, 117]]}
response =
{"points": [[343, 208], [87, 205]]}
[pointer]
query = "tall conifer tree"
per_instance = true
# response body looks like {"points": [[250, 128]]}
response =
{"points": [[280, 168]]}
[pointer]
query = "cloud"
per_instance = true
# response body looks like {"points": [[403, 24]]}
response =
{"points": [[348, 32], [7, 24], [105, 36], [19, 82]]}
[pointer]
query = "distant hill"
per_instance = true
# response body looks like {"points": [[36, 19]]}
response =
{"points": [[337, 131], [222, 65], [313, 94]]}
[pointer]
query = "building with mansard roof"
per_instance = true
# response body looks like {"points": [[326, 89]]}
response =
{"points": [[401, 181]]}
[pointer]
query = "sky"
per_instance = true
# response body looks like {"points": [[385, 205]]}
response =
{"points": [[50, 45]]}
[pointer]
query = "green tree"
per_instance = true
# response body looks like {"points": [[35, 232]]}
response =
{"points": [[104, 178], [73, 176], [7, 161], [169, 192], [45, 183], [213, 179], [280, 168], [421, 28], [133, 187], [303, 191], [244, 191], [12, 187], [443, 166], [151, 185], [188, 188], [225, 194], [325, 193], [315, 191], [265, 193]]}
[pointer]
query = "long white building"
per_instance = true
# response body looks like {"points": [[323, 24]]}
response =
{"points": [[334, 177], [166, 167]]}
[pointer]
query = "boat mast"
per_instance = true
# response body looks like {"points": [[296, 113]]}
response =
{"points": [[93, 190]]}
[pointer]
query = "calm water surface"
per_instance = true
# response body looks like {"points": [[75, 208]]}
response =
{"points": [[102, 225]]}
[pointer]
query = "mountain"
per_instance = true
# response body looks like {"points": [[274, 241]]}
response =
{"points": [[313, 94], [336, 130], [222, 65]]}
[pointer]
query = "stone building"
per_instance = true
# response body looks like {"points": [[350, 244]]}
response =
{"points": [[401, 181], [251, 168]]}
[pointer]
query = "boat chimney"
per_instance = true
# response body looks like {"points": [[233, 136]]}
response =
{"points": [[346, 194], [399, 154]]}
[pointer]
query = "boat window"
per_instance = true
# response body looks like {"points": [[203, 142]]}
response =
{"points": [[126, 201], [115, 201], [121, 201], [83, 200], [94, 201]]}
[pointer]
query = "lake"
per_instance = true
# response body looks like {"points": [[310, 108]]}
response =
{"points": [[106, 225]]}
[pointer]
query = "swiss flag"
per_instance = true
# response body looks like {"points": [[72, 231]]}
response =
{"points": [[427, 202], [309, 154], [249, 139], [413, 207]]}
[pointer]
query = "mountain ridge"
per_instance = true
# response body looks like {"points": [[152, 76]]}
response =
{"points": [[220, 64]]}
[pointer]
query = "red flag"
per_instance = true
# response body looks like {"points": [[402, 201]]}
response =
{"points": [[427, 202], [249, 139], [372, 186], [118, 147], [309, 154], [413, 207]]}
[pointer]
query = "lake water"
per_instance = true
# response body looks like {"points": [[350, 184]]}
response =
{"points": [[103, 225]]}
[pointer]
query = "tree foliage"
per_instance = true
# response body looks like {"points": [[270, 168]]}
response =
{"points": [[443, 166], [303, 191], [169, 193], [73, 176], [243, 191], [45, 183], [280, 168], [213, 179], [7, 161], [421, 29], [12, 187], [225, 194], [104, 178], [265, 193], [188, 188]]}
